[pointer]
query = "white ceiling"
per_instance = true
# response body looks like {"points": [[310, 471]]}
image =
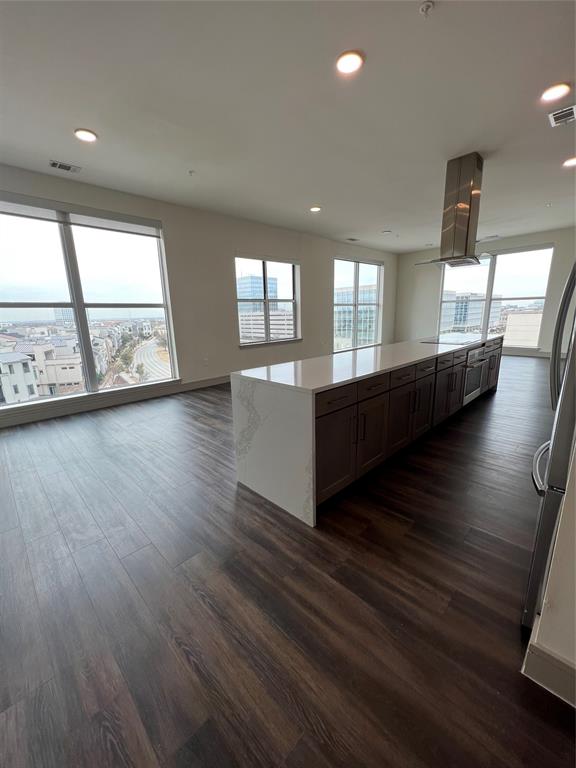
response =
{"points": [[245, 93]]}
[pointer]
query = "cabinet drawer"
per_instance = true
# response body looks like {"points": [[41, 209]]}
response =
{"points": [[445, 361], [334, 399], [460, 356], [425, 368], [375, 385], [402, 376], [493, 344]]}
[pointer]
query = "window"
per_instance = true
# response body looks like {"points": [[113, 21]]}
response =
{"points": [[16, 390], [82, 299], [266, 298], [357, 304], [517, 302], [505, 294]]}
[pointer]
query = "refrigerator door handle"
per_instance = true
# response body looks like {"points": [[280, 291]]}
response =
{"points": [[556, 352], [536, 476]]}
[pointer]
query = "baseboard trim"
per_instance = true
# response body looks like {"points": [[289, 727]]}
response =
{"points": [[12, 416], [524, 352], [551, 672]]}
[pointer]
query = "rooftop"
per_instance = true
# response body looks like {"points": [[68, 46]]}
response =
{"points": [[13, 357]]}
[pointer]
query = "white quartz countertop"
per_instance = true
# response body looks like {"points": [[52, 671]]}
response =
{"points": [[317, 374]]}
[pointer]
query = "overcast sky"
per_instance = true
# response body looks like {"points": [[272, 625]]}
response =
{"points": [[517, 274], [115, 267]]}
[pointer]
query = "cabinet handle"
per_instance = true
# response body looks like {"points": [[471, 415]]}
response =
{"points": [[403, 378], [337, 400], [375, 386], [363, 429], [430, 368], [413, 398]]}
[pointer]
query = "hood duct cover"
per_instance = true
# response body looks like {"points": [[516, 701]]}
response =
{"points": [[461, 210]]}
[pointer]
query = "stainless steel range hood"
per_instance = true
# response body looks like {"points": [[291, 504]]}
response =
{"points": [[461, 210]]}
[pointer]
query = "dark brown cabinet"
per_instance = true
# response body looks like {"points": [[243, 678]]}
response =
{"points": [[443, 380], [400, 417], [493, 369], [359, 425], [423, 407], [456, 389], [335, 451], [372, 433]]}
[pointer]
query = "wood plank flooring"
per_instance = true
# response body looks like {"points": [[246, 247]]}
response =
{"points": [[154, 614]]}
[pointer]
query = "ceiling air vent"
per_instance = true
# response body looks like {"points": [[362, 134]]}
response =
{"points": [[68, 167], [562, 116]]}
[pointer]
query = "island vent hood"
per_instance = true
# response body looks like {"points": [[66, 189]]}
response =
{"points": [[461, 209]]}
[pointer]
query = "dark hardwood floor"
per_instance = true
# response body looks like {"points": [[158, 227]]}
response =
{"points": [[152, 613]]}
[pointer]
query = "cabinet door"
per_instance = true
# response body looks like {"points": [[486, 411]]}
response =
{"points": [[443, 379], [456, 389], [424, 405], [335, 451], [372, 432], [400, 417], [485, 376], [493, 369]]}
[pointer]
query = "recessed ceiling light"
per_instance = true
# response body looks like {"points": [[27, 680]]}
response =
{"points": [[570, 163], [386, 231], [555, 92], [352, 239], [548, 205], [350, 62], [428, 245], [315, 209], [85, 134]]}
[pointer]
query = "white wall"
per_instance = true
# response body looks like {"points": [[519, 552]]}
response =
{"points": [[418, 288], [200, 249]]}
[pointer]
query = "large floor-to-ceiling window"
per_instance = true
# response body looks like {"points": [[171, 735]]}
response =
{"points": [[504, 294], [357, 304], [83, 304]]}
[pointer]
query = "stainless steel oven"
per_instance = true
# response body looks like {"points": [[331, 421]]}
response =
{"points": [[475, 365]]}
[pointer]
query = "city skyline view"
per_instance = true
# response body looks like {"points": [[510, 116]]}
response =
{"points": [[41, 352]]}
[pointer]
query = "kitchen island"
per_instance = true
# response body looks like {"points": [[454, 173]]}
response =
{"points": [[304, 430]]}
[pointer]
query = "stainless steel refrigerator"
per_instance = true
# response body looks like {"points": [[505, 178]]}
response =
{"points": [[551, 460]]}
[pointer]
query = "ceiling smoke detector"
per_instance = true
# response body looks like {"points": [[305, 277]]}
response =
{"points": [[562, 116], [61, 166]]}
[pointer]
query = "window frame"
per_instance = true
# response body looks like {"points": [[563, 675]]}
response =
{"points": [[356, 303], [489, 298], [265, 300], [66, 216]]}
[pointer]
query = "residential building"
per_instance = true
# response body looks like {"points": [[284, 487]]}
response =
{"points": [[17, 380]]}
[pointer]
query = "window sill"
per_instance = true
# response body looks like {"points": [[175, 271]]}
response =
{"points": [[64, 405], [273, 342]]}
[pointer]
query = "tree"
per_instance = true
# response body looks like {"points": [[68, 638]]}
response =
{"points": [[140, 372], [127, 358], [162, 341]]}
